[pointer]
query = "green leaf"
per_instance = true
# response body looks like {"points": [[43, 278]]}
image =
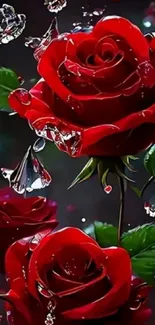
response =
{"points": [[106, 235], [136, 190], [86, 172], [8, 82], [149, 161], [140, 243]]}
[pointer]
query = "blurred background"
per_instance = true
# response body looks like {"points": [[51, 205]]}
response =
{"points": [[86, 202]]}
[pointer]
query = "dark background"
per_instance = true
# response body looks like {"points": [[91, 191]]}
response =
{"points": [[88, 199]]}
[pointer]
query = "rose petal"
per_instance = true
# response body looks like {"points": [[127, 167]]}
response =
{"points": [[125, 29], [119, 293], [21, 108], [67, 236]]}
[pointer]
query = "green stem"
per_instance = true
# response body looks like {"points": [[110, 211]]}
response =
{"points": [[147, 184], [121, 209]]}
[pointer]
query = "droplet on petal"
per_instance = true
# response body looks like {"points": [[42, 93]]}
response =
{"points": [[108, 189], [43, 291], [66, 140], [23, 96]]}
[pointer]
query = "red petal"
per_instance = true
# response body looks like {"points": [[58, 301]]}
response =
{"points": [[116, 262], [133, 121], [125, 29], [16, 263], [21, 108], [49, 247]]}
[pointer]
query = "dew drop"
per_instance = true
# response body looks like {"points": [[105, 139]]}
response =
{"points": [[83, 220], [21, 80], [23, 96]]}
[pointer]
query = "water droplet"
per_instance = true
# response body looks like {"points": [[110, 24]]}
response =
{"points": [[108, 189], [32, 173], [39, 145], [55, 5], [21, 80], [129, 224], [24, 272], [51, 305], [40, 44], [44, 292], [66, 140], [98, 12], [11, 24], [83, 220], [23, 96]]}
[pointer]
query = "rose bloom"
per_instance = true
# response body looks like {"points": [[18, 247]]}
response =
{"points": [[97, 92], [20, 217], [66, 278]]}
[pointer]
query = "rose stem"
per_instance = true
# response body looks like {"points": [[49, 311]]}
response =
{"points": [[121, 209], [146, 185]]}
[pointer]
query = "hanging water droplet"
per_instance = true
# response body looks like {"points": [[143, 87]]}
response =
{"points": [[39, 145], [50, 319], [11, 24], [21, 80], [142, 94], [55, 5], [29, 174], [108, 189]]}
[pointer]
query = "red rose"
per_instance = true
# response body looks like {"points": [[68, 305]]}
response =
{"points": [[21, 217], [66, 277], [97, 95]]}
